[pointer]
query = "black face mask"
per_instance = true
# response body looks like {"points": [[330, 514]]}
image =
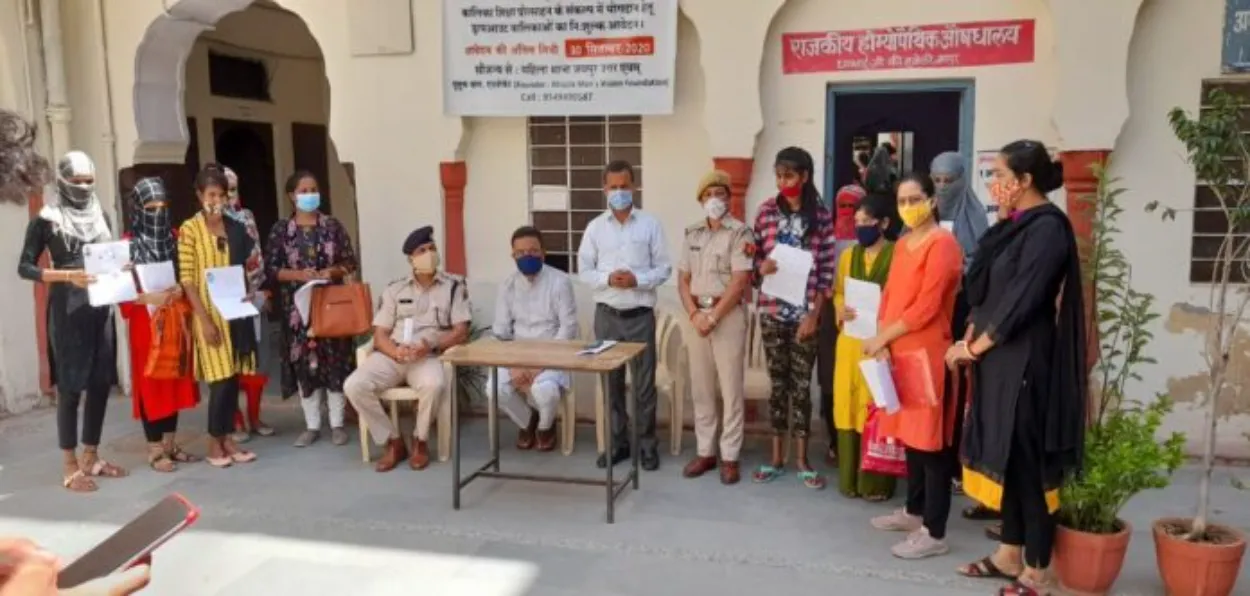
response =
{"points": [[867, 235]]}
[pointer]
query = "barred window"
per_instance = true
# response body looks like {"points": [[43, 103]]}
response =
{"points": [[1210, 223], [567, 155]]}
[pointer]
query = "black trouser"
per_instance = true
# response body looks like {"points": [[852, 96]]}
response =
{"points": [[1027, 521], [826, 347], [155, 430], [929, 488], [93, 411], [634, 325], [223, 402]]}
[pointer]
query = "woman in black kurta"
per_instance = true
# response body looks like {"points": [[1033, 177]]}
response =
{"points": [[1025, 427], [80, 336]]}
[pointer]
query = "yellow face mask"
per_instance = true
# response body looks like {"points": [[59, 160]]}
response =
{"points": [[915, 214]]}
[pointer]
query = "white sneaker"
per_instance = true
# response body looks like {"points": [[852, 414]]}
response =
{"points": [[898, 521], [919, 545]]}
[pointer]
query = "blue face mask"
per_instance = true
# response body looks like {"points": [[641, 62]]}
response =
{"points": [[867, 235], [307, 202], [529, 264], [620, 200]]}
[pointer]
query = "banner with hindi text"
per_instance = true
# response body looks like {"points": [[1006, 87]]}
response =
{"points": [[928, 46], [559, 57]]}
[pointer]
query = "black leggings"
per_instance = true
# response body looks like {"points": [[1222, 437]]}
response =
{"points": [[223, 402], [155, 430], [93, 410], [929, 488], [1027, 521]]}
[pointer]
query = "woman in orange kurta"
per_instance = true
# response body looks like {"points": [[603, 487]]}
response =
{"points": [[914, 327]]}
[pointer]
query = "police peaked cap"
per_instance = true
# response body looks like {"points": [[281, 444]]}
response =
{"points": [[419, 237]]}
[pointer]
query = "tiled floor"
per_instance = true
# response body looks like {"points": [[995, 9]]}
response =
{"points": [[296, 521]]}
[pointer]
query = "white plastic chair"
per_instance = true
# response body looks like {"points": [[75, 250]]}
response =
{"points": [[567, 413], [670, 380], [406, 394]]}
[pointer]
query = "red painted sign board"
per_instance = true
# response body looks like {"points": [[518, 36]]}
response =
{"points": [[950, 45]]}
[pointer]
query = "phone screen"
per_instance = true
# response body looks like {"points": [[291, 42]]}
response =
{"points": [[132, 542]]}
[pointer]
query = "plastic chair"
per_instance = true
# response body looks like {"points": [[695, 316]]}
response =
{"points": [[406, 394], [670, 381]]}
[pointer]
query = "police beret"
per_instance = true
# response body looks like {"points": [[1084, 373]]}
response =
{"points": [[418, 237]]}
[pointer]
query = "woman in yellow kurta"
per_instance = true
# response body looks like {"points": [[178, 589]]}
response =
{"points": [[869, 260], [223, 349]]}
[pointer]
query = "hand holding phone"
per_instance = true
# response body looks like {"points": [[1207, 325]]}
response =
{"points": [[126, 550]]}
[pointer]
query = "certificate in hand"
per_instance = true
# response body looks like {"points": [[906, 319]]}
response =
{"points": [[227, 289], [789, 282], [107, 261], [864, 297]]}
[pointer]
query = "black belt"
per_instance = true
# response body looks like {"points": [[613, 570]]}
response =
{"points": [[627, 313]]}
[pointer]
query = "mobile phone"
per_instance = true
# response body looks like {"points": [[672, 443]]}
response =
{"points": [[132, 543]]}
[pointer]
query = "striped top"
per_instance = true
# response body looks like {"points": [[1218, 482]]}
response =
{"points": [[198, 250]]}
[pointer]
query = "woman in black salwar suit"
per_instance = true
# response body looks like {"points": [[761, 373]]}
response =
{"points": [[1025, 427]]}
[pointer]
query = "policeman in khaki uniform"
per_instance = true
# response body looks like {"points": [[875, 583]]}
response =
{"points": [[421, 315], [713, 275]]}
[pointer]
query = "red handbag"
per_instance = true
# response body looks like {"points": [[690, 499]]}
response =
{"points": [[878, 454]]}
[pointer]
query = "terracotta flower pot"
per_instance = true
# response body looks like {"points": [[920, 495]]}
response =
{"points": [[1089, 563], [1197, 568]]}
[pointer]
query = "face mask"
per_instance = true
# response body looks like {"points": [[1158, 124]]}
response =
{"points": [[914, 215], [78, 195], [620, 200], [1005, 194], [307, 202], [792, 192], [715, 207], [426, 262], [867, 235], [217, 209], [529, 264]]}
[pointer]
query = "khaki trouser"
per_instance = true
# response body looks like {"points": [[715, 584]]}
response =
{"points": [[721, 356], [379, 373]]}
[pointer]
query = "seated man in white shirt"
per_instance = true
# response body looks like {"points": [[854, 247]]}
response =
{"points": [[535, 302]]}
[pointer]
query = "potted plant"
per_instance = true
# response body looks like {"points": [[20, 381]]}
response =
{"points": [[1197, 557], [1123, 455]]}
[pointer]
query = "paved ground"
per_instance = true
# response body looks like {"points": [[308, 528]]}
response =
{"points": [[305, 521]]}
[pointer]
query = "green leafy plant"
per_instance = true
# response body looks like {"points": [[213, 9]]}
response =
{"points": [[1123, 456], [1220, 155], [471, 380]]}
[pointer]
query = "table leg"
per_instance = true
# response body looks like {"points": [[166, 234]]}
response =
{"points": [[633, 423], [494, 417], [455, 437], [607, 409]]}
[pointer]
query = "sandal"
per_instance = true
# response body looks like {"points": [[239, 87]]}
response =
{"points": [[979, 513], [161, 462], [243, 457], [220, 462], [79, 483], [178, 455], [766, 474], [994, 532], [264, 430], [984, 569], [812, 479], [101, 467], [1026, 587]]}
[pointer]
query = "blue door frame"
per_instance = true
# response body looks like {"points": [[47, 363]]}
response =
{"points": [[967, 112]]}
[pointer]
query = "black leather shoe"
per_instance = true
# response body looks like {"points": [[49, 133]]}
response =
{"points": [[650, 460], [621, 454]]}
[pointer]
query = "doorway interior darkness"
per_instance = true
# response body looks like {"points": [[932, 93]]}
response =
{"points": [[920, 119], [247, 148]]}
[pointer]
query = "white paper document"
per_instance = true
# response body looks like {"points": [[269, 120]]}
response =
{"points": [[107, 261], [155, 277], [597, 348], [303, 299], [880, 382], [409, 334], [864, 297], [227, 289], [789, 282]]}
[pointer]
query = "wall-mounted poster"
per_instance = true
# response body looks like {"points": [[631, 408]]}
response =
{"points": [[1235, 56], [559, 57], [928, 46]]}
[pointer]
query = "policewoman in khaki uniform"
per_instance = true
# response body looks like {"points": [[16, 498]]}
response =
{"points": [[713, 275], [421, 315]]}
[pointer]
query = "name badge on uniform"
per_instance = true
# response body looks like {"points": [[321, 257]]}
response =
{"points": [[405, 300], [695, 248]]}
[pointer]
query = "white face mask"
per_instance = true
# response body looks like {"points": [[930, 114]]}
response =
{"points": [[715, 207]]}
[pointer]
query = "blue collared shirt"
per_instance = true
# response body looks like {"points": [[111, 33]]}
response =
{"points": [[637, 245]]}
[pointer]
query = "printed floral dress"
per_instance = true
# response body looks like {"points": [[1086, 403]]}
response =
{"points": [[309, 364]]}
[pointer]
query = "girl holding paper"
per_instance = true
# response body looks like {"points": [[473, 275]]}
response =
{"points": [[157, 401], [80, 336], [311, 246], [914, 331], [876, 228], [224, 350]]}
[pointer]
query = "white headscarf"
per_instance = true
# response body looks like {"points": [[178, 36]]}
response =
{"points": [[76, 213]]}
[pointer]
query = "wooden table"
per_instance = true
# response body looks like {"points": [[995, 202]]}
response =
{"points": [[543, 354]]}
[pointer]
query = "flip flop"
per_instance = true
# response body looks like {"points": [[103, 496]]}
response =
{"points": [[766, 474], [812, 479], [243, 457], [984, 569]]}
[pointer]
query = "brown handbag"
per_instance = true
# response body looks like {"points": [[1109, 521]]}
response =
{"points": [[342, 310]]}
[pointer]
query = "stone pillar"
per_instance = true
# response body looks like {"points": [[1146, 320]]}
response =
{"points": [[454, 176], [1080, 185], [739, 170]]}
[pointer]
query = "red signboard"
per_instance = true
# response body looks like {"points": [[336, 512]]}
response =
{"points": [[928, 46]]}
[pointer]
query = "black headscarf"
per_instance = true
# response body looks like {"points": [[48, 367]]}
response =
{"points": [[1068, 389], [880, 175], [153, 240]]}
